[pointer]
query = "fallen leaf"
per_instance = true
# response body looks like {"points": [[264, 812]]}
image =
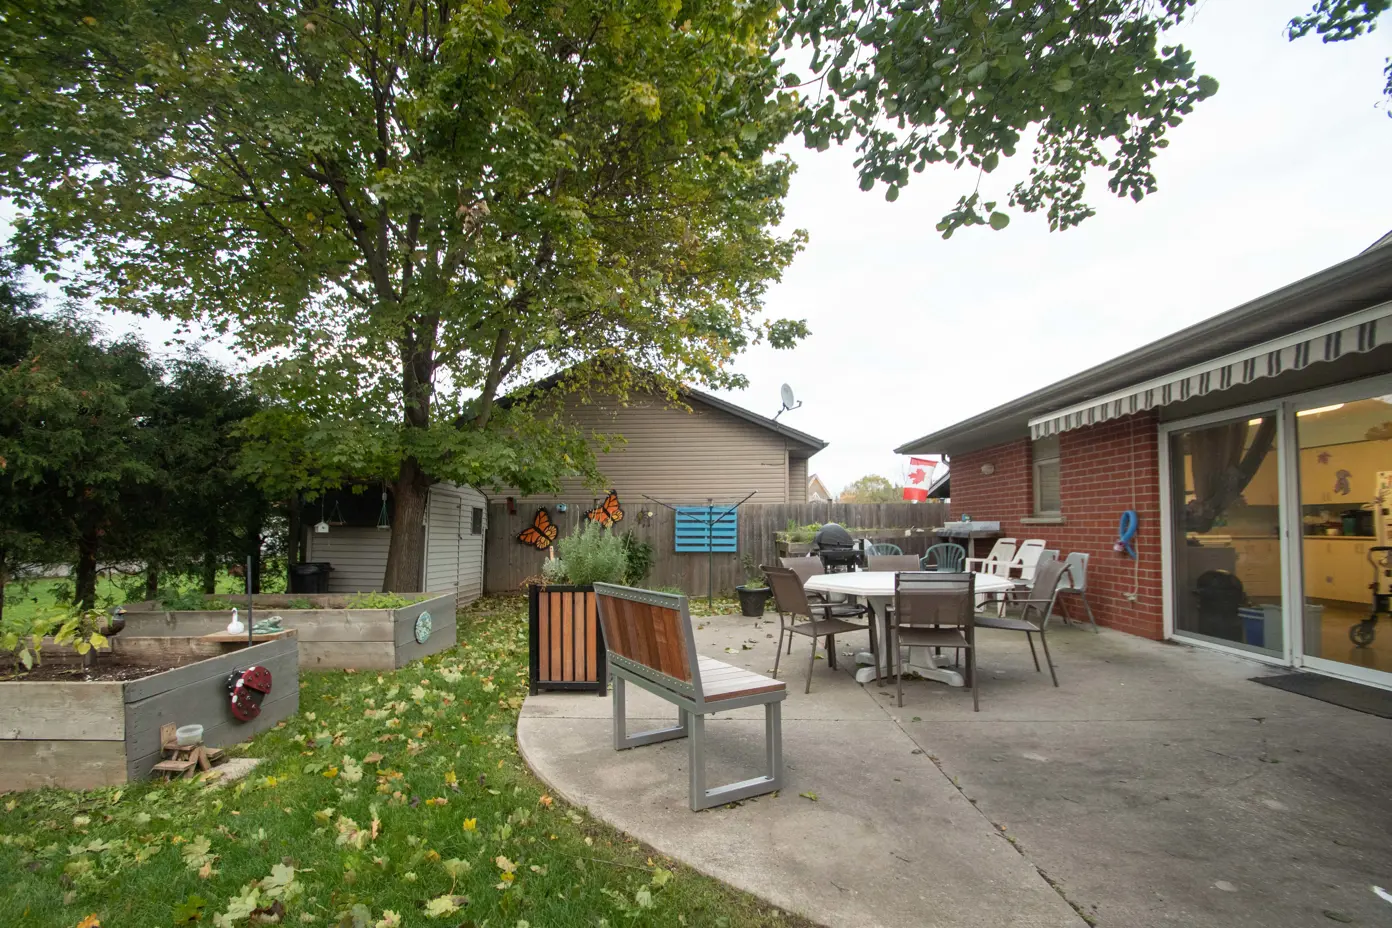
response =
{"points": [[546, 801], [809, 795], [372, 758], [444, 905], [91, 921], [470, 824]]}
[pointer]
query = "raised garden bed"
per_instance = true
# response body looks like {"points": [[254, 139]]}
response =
{"points": [[75, 728], [336, 631]]}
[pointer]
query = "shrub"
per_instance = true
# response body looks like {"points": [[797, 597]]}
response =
{"points": [[593, 555], [638, 559], [553, 570]]}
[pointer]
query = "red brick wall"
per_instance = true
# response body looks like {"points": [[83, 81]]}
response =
{"points": [[1103, 470]]}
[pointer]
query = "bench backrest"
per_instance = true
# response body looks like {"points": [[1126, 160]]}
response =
{"points": [[649, 633]]}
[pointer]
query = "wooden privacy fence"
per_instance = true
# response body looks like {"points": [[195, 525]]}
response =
{"points": [[509, 563]]}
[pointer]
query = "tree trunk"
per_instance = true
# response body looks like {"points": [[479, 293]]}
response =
{"points": [[85, 594], [406, 556], [151, 581]]}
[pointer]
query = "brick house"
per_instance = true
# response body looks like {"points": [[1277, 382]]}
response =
{"points": [[1251, 447]]}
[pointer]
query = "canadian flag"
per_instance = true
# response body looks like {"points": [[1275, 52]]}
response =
{"points": [[925, 462], [915, 494]]}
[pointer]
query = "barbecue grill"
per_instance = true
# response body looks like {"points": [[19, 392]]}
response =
{"points": [[837, 549]]}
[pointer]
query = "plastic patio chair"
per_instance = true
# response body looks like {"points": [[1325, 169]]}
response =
{"points": [[883, 548], [1034, 613], [1075, 581], [946, 558], [996, 562]]}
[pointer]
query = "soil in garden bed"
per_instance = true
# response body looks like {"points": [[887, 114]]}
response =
{"points": [[106, 671]]}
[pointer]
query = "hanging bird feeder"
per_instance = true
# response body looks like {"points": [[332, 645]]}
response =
{"points": [[384, 518], [322, 526]]}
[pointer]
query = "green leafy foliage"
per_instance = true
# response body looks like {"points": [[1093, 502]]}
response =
{"points": [[638, 559], [753, 574], [21, 641], [872, 488], [82, 631], [593, 554], [382, 199], [382, 600], [1340, 21]]}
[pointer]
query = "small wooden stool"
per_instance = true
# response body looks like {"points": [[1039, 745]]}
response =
{"points": [[181, 760]]}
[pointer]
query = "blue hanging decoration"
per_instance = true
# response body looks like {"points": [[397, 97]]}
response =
{"points": [[1126, 532]]}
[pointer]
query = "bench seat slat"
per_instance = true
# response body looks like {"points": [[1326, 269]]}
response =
{"points": [[720, 681]]}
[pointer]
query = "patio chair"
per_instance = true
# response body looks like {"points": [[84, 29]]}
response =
{"points": [[933, 610], [997, 561], [893, 562], [882, 548], [808, 567], [1075, 581], [791, 602], [946, 558], [1034, 612]]}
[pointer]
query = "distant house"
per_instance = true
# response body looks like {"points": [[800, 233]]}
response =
{"points": [[817, 491], [707, 449]]}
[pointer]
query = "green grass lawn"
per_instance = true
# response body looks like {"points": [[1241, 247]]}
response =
{"points": [[27, 601], [392, 799]]}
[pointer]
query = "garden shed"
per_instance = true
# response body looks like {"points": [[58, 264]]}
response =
{"points": [[348, 532]]}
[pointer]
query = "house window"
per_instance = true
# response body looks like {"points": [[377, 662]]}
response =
{"points": [[476, 522], [1045, 452]]}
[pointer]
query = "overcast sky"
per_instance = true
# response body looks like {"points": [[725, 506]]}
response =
{"points": [[1284, 172]]}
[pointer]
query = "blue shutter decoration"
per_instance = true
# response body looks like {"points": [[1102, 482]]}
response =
{"points": [[707, 528]]}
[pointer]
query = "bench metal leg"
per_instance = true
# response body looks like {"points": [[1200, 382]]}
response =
{"points": [[772, 779], [623, 740]]}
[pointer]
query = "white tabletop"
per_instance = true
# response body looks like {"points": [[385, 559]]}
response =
{"points": [[880, 583]]}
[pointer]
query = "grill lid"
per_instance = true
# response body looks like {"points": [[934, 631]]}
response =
{"points": [[832, 536]]}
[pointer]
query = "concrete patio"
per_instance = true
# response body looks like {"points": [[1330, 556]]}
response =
{"points": [[1156, 786]]}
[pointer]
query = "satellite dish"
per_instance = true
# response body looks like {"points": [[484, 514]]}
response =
{"points": [[786, 394]]}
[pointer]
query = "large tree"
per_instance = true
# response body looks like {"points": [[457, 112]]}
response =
{"points": [[872, 488], [400, 207], [1088, 85]]}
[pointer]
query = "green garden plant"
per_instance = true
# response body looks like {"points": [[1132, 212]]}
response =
{"points": [[638, 559], [22, 640], [593, 554], [82, 630]]}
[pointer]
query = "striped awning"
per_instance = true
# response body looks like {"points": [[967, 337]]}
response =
{"points": [[1352, 334]]}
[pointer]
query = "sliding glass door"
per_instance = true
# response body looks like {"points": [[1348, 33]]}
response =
{"points": [[1344, 454], [1225, 523]]}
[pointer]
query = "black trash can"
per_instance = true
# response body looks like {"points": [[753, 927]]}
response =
{"points": [[1220, 595], [310, 577]]}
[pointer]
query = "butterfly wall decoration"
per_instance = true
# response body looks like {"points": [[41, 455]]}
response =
{"points": [[541, 533], [608, 512]]}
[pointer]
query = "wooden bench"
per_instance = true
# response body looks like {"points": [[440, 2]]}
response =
{"points": [[651, 644]]}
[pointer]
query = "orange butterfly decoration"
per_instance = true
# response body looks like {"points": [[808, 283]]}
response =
{"points": [[540, 533], [607, 512]]}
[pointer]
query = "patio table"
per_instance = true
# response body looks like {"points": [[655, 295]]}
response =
{"points": [[877, 588]]}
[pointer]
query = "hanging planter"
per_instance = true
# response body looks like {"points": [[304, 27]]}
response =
{"points": [[384, 518]]}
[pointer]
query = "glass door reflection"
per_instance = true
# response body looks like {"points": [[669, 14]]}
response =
{"points": [[1226, 510]]}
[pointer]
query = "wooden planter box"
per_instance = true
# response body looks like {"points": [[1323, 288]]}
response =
{"points": [[564, 643], [332, 636], [83, 735]]}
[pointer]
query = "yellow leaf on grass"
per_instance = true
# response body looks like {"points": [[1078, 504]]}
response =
{"points": [[471, 824], [331, 773], [546, 801], [91, 921], [372, 758]]}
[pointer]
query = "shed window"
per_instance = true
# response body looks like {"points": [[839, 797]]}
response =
{"points": [[476, 522], [1045, 452]]}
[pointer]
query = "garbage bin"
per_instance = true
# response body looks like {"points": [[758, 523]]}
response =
{"points": [[1220, 595], [310, 577]]}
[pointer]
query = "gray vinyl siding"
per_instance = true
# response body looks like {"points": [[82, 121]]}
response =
{"points": [[679, 455], [358, 556], [797, 480], [453, 555]]}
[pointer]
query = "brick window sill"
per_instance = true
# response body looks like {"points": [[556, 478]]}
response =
{"points": [[1043, 520]]}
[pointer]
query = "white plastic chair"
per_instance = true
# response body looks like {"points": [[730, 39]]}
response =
{"points": [[997, 563], [1075, 581], [1021, 568]]}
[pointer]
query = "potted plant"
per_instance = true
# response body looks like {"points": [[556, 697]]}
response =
{"points": [[565, 647], [754, 594]]}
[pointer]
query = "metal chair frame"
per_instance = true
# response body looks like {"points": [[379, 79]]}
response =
{"points": [[790, 599], [923, 595]]}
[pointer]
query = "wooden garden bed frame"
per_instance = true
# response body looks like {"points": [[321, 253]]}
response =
{"points": [[79, 735], [332, 636]]}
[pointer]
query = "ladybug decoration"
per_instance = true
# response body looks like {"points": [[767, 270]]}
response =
{"points": [[248, 689]]}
